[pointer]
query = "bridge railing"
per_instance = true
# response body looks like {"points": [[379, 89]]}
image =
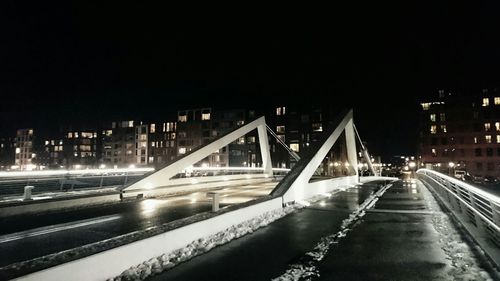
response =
{"points": [[477, 210], [225, 171], [13, 183]]}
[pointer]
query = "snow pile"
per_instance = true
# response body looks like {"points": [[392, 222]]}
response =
{"points": [[202, 245], [306, 267], [463, 262]]}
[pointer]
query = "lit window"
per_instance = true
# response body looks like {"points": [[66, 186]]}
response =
{"points": [[152, 128], [487, 138], [486, 101], [130, 124], [46, 142], [280, 129], [497, 126], [497, 100], [241, 140], [251, 139], [433, 117], [280, 110], [443, 128], [205, 116], [433, 129], [182, 150], [433, 152], [70, 135], [152, 144], [294, 147], [487, 127], [425, 106], [442, 117], [18, 150], [498, 138], [317, 127], [183, 118], [170, 127], [475, 140]]}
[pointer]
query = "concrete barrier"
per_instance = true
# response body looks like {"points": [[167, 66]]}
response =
{"points": [[111, 263], [186, 185]]}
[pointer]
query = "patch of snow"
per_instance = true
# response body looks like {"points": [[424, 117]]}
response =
{"points": [[202, 245], [307, 268], [463, 261]]}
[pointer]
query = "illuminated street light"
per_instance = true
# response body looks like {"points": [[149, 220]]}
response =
{"points": [[450, 168]]}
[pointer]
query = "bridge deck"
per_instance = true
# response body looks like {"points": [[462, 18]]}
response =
{"points": [[404, 237], [30, 236]]}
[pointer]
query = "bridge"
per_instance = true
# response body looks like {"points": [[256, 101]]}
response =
{"points": [[183, 222]]}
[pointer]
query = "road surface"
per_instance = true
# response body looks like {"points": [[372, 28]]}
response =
{"points": [[29, 236]]}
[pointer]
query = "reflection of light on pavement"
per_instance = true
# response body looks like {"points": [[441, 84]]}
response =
{"points": [[322, 204], [149, 206]]}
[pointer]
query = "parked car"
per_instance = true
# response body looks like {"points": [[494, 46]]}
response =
{"points": [[490, 180], [460, 174]]}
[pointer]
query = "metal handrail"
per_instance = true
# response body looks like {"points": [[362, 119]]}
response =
{"points": [[483, 204]]}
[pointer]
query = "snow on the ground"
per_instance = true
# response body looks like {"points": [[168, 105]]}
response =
{"points": [[306, 267], [202, 245], [464, 263]]}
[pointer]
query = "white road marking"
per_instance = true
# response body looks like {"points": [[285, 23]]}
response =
{"points": [[54, 228]]}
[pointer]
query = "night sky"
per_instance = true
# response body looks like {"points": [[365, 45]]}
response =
{"points": [[66, 62]]}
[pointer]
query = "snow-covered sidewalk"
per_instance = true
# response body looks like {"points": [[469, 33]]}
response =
{"points": [[465, 265]]}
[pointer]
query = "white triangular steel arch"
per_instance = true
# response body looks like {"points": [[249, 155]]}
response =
{"points": [[162, 177], [298, 186]]}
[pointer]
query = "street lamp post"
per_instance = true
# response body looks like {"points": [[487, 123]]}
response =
{"points": [[450, 168], [412, 166]]}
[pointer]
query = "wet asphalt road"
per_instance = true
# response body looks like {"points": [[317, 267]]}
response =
{"points": [[29, 236], [395, 240], [266, 253]]}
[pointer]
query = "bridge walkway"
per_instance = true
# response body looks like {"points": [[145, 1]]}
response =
{"points": [[403, 236]]}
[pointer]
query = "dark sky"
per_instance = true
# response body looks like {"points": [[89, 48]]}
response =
{"points": [[75, 61]]}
